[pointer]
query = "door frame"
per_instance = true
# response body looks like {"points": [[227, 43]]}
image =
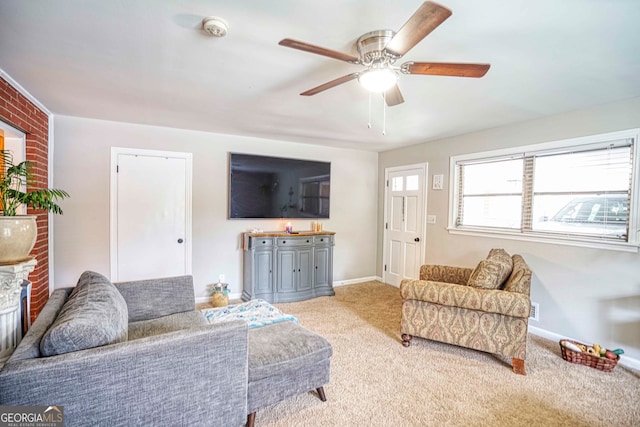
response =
{"points": [[113, 202], [385, 243]]}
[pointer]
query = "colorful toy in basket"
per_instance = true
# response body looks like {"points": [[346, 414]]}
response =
{"points": [[595, 356]]}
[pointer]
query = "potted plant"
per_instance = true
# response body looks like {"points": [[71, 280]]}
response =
{"points": [[18, 232]]}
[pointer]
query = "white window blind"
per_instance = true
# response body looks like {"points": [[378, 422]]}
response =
{"points": [[581, 191], [491, 194]]}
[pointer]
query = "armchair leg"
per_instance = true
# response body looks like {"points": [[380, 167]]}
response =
{"points": [[321, 394], [251, 419], [406, 340], [518, 366]]}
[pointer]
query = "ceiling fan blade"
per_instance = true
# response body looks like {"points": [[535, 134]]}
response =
{"points": [[422, 22], [393, 96], [445, 69], [330, 84], [295, 44]]}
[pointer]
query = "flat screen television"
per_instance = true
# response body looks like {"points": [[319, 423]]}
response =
{"points": [[277, 187]]}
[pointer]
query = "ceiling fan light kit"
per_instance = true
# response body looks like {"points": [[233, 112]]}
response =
{"points": [[378, 79], [378, 51]]}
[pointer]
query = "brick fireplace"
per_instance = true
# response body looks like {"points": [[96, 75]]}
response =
{"points": [[16, 110]]}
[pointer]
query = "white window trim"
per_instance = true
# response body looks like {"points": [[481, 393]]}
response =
{"points": [[634, 221]]}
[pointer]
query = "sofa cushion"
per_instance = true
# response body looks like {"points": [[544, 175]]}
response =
{"points": [[95, 314], [165, 324], [150, 298], [284, 348], [487, 275], [502, 257]]}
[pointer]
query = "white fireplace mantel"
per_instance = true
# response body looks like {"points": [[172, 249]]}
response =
{"points": [[11, 278]]}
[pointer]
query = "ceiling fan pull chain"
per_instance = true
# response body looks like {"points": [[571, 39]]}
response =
{"points": [[369, 122], [384, 113]]}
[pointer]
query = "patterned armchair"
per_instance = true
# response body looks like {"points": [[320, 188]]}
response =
{"points": [[486, 308]]}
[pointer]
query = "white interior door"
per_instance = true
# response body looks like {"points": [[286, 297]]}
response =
{"points": [[404, 223], [151, 211]]}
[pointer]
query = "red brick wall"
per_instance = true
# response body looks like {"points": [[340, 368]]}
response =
{"points": [[19, 112]]}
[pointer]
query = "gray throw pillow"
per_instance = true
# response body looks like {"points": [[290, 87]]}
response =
{"points": [[95, 314]]}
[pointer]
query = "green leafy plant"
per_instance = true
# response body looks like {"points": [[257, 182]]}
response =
{"points": [[15, 179]]}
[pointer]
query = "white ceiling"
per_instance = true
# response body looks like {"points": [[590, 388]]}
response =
{"points": [[145, 61]]}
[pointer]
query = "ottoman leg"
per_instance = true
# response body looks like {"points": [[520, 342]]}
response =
{"points": [[321, 394], [251, 419]]}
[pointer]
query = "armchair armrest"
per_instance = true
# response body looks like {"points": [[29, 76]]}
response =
{"points": [[507, 303], [445, 273], [152, 298], [191, 377]]}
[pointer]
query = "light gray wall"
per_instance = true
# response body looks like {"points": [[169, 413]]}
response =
{"points": [[588, 294], [81, 166]]}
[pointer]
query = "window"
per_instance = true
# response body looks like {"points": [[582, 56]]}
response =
{"points": [[413, 182], [582, 191]]}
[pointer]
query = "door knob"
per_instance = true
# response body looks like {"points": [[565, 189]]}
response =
{"points": [[180, 240], [417, 239]]}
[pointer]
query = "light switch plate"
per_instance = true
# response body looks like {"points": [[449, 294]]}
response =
{"points": [[438, 182], [431, 219]]}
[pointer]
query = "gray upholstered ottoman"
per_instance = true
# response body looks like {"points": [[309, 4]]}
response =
{"points": [[285, 359]]}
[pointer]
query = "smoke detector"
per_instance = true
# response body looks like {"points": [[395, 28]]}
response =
{"points": [[214, 26]]}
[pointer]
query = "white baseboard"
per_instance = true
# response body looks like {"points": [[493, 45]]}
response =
{"points": [[200, 300], [354, 281], [624, 360]]}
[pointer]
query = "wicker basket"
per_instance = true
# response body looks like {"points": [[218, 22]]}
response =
{"points": [[582, 357]]}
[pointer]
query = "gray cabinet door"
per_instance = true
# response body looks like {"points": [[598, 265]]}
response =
{"points": [[322, 266], [304, 260], [287, 270], [263, 264]]}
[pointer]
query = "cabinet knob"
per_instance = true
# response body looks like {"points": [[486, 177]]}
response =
{"points": [[264, 242], [322, 240], [284, 241], [180, 240], [298, 269], [307, 241]]}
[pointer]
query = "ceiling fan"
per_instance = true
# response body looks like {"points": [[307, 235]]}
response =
{"points": [[379, 50]]}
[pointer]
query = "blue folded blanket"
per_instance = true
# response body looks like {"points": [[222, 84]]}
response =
{"points": [[256, 313]]}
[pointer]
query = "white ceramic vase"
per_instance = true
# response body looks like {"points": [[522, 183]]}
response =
{"points": [[17, 238]]}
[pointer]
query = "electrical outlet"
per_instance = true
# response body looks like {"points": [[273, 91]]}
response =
{"points": [[535, 312]]}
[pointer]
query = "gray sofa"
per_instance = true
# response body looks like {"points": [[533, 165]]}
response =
{"points": [[156, 361]]}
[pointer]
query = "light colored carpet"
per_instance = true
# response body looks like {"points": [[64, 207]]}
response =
{"points": [[375, 381]]}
